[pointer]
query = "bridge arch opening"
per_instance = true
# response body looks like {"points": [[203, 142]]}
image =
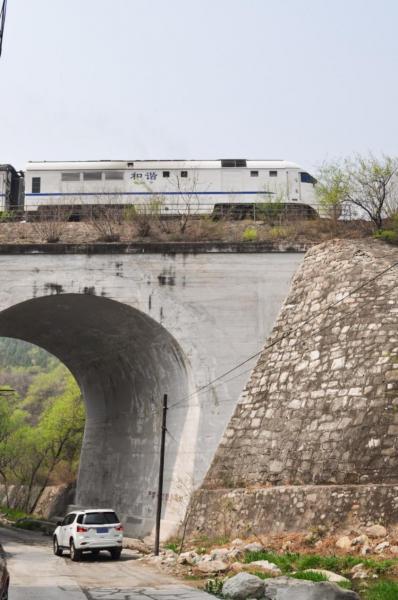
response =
{"points": [[124, 362]]}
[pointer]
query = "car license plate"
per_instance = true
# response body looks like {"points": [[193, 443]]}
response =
{"points": [[102, 529]]}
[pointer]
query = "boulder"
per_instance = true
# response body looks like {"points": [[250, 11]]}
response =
{"points": [[254, 547], [209, 567], [381, 547], [330, 576], [236, 543], [219, 553], [242, 586], [376, 531], [285, 588], [343, 542], [266, 566]]}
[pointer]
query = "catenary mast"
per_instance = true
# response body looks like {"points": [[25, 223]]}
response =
{"points": [[2, 22]]}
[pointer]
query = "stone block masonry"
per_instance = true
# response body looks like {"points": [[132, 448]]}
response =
{"points": [[318, 419]]}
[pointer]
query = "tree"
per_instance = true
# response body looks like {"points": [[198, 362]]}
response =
{"points": [[364, 182]]}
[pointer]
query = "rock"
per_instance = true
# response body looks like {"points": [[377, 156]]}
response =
{"points": [[236, 553], [237, 567], [212, 566], [330, 576], [393, 549], [360, 540], [286, 588], [344, 543], [186, 558], [266, 566], [254, 547], [136, 544], [219, 553], [236, 543], [381, 547], [242, 586], [376, 531], [366, 549], [359, 572]]}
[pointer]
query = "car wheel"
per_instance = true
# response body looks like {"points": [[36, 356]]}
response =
{"points": [[57, 550], [116, 553], [75, 555], [95, 553]]}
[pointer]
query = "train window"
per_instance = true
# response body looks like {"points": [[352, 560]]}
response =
{"points": [[166, 173], [273, 173], [253, 173], [233, 162], [113, 175], [70, 176], [307, 178], [36, 185], [184, 173], [92, 176]]}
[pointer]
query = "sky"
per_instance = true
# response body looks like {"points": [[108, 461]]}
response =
{"points": [[303, 80]]}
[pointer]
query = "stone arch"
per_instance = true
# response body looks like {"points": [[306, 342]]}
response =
{"points": [[124, 361]]}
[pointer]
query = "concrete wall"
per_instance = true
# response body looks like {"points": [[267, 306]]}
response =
{"points": [[321, 405], [131, 328]]}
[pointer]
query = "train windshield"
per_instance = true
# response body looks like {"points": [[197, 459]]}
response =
{"points": [[307, 178]]}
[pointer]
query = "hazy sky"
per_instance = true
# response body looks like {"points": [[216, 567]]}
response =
{"points": [[303, 80]]}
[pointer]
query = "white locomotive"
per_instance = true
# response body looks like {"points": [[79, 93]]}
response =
{"points": [[202, 187]]}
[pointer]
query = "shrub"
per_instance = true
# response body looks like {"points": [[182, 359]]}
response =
{"points": [[214, 586], [387, 235], [5, 216], [250, 234]]}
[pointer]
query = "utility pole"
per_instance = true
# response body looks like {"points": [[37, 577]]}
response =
{"points": [[3, 12], [161, 470]]}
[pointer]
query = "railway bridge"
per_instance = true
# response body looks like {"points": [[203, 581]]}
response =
{"points": [[132, 323]]}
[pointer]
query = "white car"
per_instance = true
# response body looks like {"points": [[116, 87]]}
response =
{"points": [[90, 530]]}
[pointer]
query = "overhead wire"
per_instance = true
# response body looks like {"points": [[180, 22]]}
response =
{"points": [[287, 334]]}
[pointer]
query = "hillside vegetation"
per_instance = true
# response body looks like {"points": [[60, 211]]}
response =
{"points": [[41, 422]]}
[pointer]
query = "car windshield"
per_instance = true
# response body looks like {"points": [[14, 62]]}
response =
{"points": [[100, 518]]}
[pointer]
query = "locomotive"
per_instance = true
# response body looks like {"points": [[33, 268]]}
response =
{"points": [[201, 187]]}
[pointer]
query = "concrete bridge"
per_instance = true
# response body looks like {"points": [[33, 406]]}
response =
{"points": [[131, 326]]}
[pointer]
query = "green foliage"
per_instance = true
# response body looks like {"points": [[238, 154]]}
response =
{"points": [[365, 183], [214, 585], [15, 353], [382, 590], [278, 232], [309, 576], [12, 514], [292, 562], [249, 234], [5, 216], [41, 431], [390, 233], [174, 546], [387, 235]]}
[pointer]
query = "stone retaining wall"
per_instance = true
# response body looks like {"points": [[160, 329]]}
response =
{"points": [[321, 406], [244, 512]]}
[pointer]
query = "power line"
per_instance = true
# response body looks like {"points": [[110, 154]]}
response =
{"points": [[287, 334], [319, 330]]}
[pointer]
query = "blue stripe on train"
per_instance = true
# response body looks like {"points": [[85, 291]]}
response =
{"points": [[146, 193]]}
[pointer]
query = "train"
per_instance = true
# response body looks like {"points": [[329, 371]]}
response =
{"points": [[200, 187]]}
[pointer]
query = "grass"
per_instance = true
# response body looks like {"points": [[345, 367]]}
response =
{"points": [[290, 562], [382, 590], [13, 514]]}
